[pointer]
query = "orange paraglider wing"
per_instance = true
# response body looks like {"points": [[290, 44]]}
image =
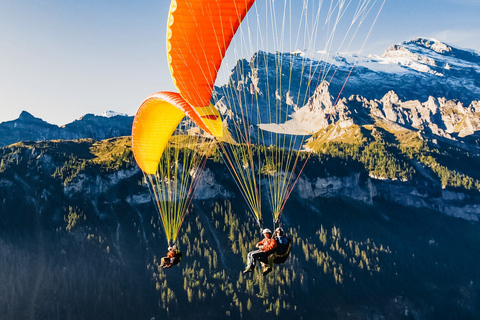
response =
{"points": [[198, 34], [153, 125]]}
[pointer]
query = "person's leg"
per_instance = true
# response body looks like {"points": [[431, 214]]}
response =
{"points": [[251, 260], [270, 259], [254, 257], [162, 262], [261, 256]]}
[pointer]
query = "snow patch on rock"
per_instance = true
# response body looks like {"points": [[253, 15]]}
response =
{"points": [[137, 199], [330, 187], [209, 188]]}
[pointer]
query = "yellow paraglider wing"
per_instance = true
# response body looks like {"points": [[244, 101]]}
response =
{"points": [[198, 34], [153, 125], [172, 164]]}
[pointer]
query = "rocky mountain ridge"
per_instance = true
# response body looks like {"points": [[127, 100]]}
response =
{"points": [[446, 118]]}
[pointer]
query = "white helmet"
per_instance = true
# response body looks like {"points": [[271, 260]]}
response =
{"points": [[266, 230]]}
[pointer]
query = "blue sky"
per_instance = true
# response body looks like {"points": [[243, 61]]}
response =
{"points": [[61, 59]]}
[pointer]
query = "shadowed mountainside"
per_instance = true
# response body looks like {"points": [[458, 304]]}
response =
{"points": [[78, 228]]}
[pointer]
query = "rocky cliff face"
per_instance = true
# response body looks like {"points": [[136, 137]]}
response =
{"points": [[368, 190], [446, 118]]}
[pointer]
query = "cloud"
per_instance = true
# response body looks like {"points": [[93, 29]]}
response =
{"points": [[475, 3], [468, 39]]}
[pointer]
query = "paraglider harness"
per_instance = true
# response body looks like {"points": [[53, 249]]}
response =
{"points": [[282, 252], [176, 258]]}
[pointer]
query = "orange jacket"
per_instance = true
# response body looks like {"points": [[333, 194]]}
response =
{"points": [[268, 244], [171, 254]]}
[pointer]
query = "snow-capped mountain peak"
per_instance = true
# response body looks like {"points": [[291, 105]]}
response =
{"points": [[425, 56], [432, 44], [111, 113]]}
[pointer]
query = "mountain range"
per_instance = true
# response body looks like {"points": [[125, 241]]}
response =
{"points": [[422, 84], [440, 127], [384, 217], [29, 128]]}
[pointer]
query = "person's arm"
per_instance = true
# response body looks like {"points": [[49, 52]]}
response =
{"points": [[260, 244]]}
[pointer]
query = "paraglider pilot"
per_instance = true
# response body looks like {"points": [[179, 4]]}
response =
{"points": [[280, 236], [173, 257], [264, 249]]}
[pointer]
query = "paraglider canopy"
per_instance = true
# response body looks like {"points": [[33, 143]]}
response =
{"points": [[171, 155], [198, 35]]}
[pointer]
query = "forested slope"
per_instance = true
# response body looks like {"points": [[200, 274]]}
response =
{"points": [[80, 238]]}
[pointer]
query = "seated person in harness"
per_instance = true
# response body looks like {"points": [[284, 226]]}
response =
{"points": [[280, 254], [265, 248], [173, 257]]}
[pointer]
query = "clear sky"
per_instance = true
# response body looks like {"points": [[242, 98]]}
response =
{"points": [[61, 59]]}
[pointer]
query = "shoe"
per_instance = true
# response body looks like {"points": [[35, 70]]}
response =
{"points": [[248, 270], [267, 270]]}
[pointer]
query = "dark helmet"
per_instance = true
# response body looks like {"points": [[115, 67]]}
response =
{"points": [[279, 229]]}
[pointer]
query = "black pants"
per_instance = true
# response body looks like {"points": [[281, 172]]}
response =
{"points": [[256, 255]]}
